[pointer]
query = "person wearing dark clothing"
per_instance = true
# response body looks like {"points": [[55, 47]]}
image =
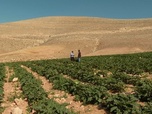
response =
{"points": [[79, 55]]}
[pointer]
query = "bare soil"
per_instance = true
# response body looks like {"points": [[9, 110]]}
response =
{"points": [[12, 92]]}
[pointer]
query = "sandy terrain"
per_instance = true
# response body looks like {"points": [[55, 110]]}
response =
{"points": [[55, 37]]}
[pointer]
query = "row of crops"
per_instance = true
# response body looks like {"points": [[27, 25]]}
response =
{"points": [[100, 80], [36, 96], [2, 76]]}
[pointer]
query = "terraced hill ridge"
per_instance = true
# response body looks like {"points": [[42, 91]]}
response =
{"points": [[56, 37]]}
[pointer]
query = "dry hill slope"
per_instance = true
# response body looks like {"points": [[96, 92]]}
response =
{"points": [[55, 37]]}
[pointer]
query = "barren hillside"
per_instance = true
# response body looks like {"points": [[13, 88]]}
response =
{"points": [[56, 37]]}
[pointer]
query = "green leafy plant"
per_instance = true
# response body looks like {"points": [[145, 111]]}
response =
{"points": [[122, 104], [147, 109], [143, 90]]}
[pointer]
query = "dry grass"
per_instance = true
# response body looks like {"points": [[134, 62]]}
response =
{"points": [[55, 37]]}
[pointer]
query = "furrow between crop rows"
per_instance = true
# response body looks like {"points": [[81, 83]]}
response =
{"points": [[63, 97]]}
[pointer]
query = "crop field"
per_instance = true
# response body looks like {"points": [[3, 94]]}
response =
{"points": [[118, 84]]}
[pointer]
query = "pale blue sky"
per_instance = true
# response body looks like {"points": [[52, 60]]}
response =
{"points": [[15, 10]]}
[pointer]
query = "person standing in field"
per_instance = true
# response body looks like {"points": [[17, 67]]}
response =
{"points": [[79, 55], [72, 56]]}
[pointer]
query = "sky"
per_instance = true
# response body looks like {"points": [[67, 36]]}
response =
{"points": [[16, 10]]}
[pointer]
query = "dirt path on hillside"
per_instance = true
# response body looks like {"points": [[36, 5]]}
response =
{"points": [[62, 97], [121, 30]]}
